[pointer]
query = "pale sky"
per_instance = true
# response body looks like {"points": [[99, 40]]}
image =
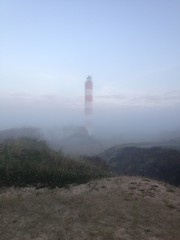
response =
{"points": [[48, 48]]}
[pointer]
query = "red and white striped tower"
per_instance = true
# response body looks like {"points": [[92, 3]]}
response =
{"points": [[88, 104]]}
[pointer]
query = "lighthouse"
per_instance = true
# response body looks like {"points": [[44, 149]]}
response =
{"points": [[88, 104]]}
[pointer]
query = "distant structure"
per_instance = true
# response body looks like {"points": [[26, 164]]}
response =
{"points": [[88, 104]]}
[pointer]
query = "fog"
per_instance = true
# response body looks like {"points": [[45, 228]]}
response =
{"points": [[130, 48], [110, 120]]}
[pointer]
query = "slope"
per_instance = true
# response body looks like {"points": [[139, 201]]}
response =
{"points": [[119, 208], [155, 162]]}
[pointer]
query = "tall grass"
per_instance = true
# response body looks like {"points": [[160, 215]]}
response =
{"points": [[31, 162]]}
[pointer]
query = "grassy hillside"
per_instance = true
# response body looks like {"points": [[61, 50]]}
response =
{"points": [[155, 162], [120, 208], [27, 161]]}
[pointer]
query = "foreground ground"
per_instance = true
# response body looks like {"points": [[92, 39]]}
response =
{"points": [[120, 208]]}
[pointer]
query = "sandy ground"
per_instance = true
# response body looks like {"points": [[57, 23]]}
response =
{"points": [[120, 208]]}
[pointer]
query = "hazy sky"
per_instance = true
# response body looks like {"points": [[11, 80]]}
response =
{"points": [[130, 47]]}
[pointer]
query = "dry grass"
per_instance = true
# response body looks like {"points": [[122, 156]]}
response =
{"points": [[120, 208]]}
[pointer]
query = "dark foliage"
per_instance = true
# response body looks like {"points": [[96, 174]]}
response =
{"points": [[31, 162], [156, 162], [97, 161]]}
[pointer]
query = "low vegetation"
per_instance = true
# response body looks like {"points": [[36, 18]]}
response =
{"points": [[154, 162], [28, 161], [128, 208]]}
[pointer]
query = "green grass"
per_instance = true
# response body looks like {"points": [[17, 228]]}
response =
{"points": [[31, 162]]}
